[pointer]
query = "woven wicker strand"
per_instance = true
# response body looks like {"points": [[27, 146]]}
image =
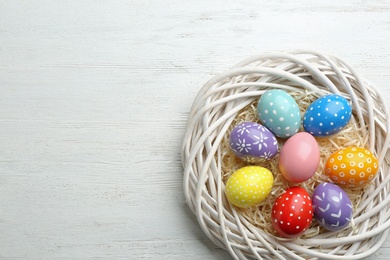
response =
{"points": [[213, 113]]}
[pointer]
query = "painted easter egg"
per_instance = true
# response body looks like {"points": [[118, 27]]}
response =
{"points": [[249, 186], [253, 142], [292, 212], [327, 115], [352, 166], [332, 206], [279, 112], [299, 157]]}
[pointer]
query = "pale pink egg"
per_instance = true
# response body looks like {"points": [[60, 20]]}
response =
{"points": [[299, 157]]}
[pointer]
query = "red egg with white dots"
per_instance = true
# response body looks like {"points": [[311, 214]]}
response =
{"points": [[292, 212]]}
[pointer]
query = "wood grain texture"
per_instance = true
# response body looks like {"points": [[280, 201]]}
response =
{"points": [[94, 98]]}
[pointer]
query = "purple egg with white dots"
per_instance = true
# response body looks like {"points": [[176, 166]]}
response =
{"points": [[327, 115], [332, 206], [253, 142]]}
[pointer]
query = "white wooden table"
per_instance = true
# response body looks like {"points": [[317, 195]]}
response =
{"points": [[94, 98]]}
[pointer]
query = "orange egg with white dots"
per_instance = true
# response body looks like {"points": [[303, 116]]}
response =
{"points": [[352, 166]]}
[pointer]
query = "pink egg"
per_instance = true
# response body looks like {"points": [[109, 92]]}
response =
{"points": [[299, 157]]}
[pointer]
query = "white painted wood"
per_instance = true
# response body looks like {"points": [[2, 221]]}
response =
{"points": [[94, 97]]}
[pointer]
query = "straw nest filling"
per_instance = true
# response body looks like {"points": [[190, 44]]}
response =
{"points": [[260, 215]]}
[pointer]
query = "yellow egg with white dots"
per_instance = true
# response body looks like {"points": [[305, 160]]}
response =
{"points": [[249, 186]]}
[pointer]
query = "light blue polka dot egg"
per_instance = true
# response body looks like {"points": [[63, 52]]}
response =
{"points": [[279, 112], [327, 115]]}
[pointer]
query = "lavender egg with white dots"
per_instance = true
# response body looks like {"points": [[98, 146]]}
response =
{"points": [[279, 112], [327, 115], [332, 206], [253, 142]]}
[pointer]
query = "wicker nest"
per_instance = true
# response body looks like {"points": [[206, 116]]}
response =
{"points": [[230, 98]]}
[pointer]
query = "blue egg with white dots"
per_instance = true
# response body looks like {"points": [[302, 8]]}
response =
{"points": [[327, 115], [279, 112]]}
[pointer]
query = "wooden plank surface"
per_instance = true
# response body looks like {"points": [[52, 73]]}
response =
{"points": [[94, 97]]}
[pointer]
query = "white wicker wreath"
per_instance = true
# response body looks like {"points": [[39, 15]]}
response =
{"points": [[213, 112]]}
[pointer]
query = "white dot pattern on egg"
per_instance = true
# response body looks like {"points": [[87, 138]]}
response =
{"points": [[327, 115], [292, 212], [352, 166], [279, 112], [249, 186]]}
